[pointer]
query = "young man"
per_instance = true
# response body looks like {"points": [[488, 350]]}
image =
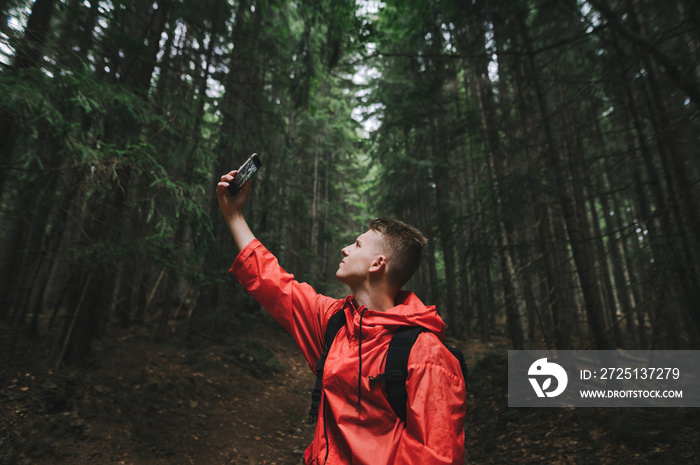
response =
{"points": [[356, 424]]}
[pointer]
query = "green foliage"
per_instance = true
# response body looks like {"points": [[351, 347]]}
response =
{"points": [[492, 120]]}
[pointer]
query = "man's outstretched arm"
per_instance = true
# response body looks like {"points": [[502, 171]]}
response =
{"points": [[296, 306], [232, 208]]}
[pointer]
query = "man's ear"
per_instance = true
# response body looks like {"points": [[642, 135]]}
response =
{"points": [[378, 264]]}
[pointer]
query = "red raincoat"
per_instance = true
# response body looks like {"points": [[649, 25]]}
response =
{"points": [[356, 424]]}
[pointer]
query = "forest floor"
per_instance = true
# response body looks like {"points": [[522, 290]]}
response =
{"points": [[203, 402]]}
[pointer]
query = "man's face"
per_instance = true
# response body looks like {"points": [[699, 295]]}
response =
{"points": [[358, 258]]}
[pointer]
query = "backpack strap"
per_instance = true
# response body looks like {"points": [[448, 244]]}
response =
{"points": [[336, 322], [396, 368]]}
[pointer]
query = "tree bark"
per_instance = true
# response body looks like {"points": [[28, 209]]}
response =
{"points": [[573, 210], [29, 53]]}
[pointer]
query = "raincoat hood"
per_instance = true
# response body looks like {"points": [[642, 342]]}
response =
{"points": [[408, 311]]}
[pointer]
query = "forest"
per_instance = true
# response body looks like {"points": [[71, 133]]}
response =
{"points": [[550, 151]]}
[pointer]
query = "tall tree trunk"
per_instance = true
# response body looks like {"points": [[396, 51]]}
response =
{"points": [[607, 289], [561, 318], [464, 227], [28, 54], [658, 225], [554, 266], [621, 285], [685, 211], [494, 160], [30, 51], [445, 215], [573, 210], [138, 64]]}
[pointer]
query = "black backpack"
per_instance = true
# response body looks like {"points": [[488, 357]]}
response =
{"points": [[396, 368]]}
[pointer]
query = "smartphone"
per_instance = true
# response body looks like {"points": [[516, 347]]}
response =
{"points": [[245, 172]]}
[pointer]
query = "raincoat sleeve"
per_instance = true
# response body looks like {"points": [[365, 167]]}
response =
{"points": [[296, 306], [436, 406]]}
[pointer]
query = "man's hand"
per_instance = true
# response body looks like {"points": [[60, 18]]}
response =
{"points": [[232, 208], [231, 205]]}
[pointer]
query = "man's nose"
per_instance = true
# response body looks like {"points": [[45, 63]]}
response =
{"points": [[344, 251]]}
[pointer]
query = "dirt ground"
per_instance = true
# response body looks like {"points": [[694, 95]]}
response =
{"points": [[206, 402]]}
